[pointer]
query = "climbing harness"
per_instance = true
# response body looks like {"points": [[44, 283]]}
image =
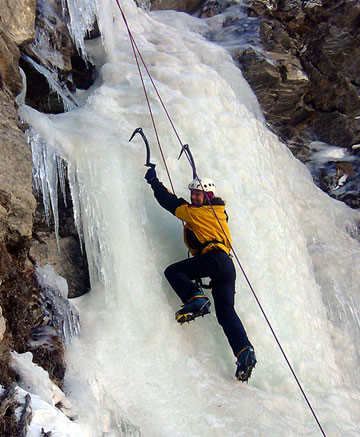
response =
{"points": [[206, 244], [137, 56]]}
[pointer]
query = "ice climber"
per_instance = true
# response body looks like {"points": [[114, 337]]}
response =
{"points": [[210, 248]]}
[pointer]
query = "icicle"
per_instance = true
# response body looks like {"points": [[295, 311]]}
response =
{"points": [[82, 14], [75, 196], [61, 170], [51, 77], [48, 170], [48, 54], [20, 99], [44, 46]]}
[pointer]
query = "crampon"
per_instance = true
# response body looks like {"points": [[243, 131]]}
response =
{"points": [[193, 309], [245, 364]]}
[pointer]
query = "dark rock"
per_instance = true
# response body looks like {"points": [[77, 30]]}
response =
{"points": [[336, 128], [17, 203], [21, 307], [9, 73], [70, 262], [38, 94], [213, 7], [49, 353], [18, 19], [279, 83], [8, 407], [189, 6], [304, 70], [328, 59], [83, 73], [6, 263], [52, 46], [54, 50]]}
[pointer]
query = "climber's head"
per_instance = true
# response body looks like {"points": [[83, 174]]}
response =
{"points": [[198, 187]]}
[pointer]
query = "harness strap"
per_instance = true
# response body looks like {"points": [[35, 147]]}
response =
{"points": [[208, 243]]}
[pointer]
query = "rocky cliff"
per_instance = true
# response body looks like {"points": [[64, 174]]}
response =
{"points": [[302, 60], [303, 64], [311, 63], [21, 302], [18, 288], [307, 81]]}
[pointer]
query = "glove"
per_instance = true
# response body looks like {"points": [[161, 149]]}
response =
{"points": [[150, 175]]}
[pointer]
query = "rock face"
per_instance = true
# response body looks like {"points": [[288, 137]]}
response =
{"points": [[303, 64], [20, 298], [17, 25], [18, 289], [53, 50], [189, 6], [311, 65], [17, 203], [18, 19]]}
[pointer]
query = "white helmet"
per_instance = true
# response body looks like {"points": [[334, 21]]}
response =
{"points": [[205, 185]]}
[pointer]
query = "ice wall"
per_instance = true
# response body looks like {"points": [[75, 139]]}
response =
{"points": [[134, 370]]}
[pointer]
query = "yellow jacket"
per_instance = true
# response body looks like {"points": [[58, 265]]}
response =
{"points": [[203, 223], [202, 231]]}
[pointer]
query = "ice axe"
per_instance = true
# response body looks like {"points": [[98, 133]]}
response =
{"points": [[186, 149], [140, 131]]}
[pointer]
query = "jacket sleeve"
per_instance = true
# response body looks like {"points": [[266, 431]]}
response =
{"points": [[166, 199]]}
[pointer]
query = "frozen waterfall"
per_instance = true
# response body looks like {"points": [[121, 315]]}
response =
{"points": [[134, 370]]}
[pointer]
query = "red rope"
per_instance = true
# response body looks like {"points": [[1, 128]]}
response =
{"points": [[134, 46], [136, 49]]}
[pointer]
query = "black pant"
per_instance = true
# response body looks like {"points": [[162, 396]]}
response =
{"points": [[217, 266]]}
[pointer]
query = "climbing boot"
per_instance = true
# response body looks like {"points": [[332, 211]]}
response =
{"points": [[245, 363], [197, 305]]}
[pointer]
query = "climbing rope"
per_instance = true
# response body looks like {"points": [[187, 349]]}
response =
{"points": [[137, 53], [137, 56]]}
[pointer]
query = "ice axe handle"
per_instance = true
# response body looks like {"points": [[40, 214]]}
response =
{"points": [[140, 131]]}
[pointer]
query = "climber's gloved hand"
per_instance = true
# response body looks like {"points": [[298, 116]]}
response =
{"points": [[150, 175]]}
